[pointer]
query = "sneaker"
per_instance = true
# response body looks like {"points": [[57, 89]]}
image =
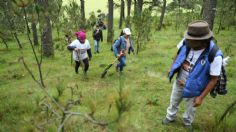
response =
{"points": [[166, 121], [189, 128]]}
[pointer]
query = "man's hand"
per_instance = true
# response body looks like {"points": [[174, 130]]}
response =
{"points": [[180, 82], [119, 55], [197, 101]]}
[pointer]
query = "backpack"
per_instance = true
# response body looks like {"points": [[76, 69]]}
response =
{"points": [[114, 43], [220, 87]]}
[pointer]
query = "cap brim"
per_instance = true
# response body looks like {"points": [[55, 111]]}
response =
{"points": [[128, 33], [209, 35]]}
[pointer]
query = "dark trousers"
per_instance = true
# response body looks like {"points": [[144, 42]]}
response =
{"points": [[86, 65]]}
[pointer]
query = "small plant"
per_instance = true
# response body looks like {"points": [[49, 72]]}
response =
{"points": [[60, 87], [142, 27]]}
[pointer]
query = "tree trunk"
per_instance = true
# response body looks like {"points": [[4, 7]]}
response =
{"points": [[110, 21], [35, 34], [221, 17], [135, 6], [162, 15], [209, 12], [178, 15], [46, 37], [128, 13], [202, 9], [82, 22], [140, 6], [128, 7], [122, 12], [82, 9]]}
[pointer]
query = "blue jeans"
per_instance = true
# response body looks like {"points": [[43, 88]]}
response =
{"points": [[96, 46], [122, 63]]}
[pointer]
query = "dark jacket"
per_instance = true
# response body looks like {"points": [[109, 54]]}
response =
{"points": [[97, 35]]}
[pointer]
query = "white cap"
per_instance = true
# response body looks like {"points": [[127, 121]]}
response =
{"points": [[126, 31]]}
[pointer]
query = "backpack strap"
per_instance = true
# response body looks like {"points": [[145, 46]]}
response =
{"points": [[119, 39], [187, 48], [212, 53]]}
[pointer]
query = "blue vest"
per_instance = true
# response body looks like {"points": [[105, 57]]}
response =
{"points": [[199, 76]]}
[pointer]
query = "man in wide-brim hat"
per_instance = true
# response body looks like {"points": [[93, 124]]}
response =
{"points": [[196, 76]]}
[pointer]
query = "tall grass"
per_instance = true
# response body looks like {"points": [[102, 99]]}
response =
{"points": [[144, 86]]}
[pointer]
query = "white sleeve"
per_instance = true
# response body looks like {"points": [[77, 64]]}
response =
{"points": [[215, 67], [180, 44], [73, 43]]}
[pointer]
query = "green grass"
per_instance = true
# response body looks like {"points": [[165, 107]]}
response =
{"points": [[145, 88]]}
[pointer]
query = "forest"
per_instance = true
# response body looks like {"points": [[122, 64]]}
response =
{"points": [[40, 90]]}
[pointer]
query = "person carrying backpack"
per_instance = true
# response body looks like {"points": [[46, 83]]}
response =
{"points": [[81, 51], [121, 47], [97, 36], [196, 75]]}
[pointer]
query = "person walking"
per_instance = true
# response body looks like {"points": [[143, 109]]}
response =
{"points": [[196, 76], [97, 36], [81, 51], [121, 47]]}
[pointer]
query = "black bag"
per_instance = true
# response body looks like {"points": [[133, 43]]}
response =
{"points": [[220, 87]]}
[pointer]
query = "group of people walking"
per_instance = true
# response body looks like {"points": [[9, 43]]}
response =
{"points": [[82, 50], [196, 75]]}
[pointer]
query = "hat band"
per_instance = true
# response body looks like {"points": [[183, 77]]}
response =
{"points": [[196, 35]]}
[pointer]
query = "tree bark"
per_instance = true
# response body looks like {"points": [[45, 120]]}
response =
{"points": [[202, 9], [209, 12], [135, 6], [122, 13], [140, 6], [110, 21], [129, 2], [35, 34], [128, 7], [82, 10], [162, 15], [46, 37]]}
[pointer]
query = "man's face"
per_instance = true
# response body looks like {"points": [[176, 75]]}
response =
{"points": [[196, 44]]}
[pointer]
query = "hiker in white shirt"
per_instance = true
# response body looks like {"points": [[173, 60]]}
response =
{"points": [[81, 51]]}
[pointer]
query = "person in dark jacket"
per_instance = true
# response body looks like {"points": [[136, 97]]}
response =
{"points": [[81, 51], [196, 76], [122, 46], [97, 36]]}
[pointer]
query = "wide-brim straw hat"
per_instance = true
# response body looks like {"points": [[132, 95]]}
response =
{"points": [[198, 30]]}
